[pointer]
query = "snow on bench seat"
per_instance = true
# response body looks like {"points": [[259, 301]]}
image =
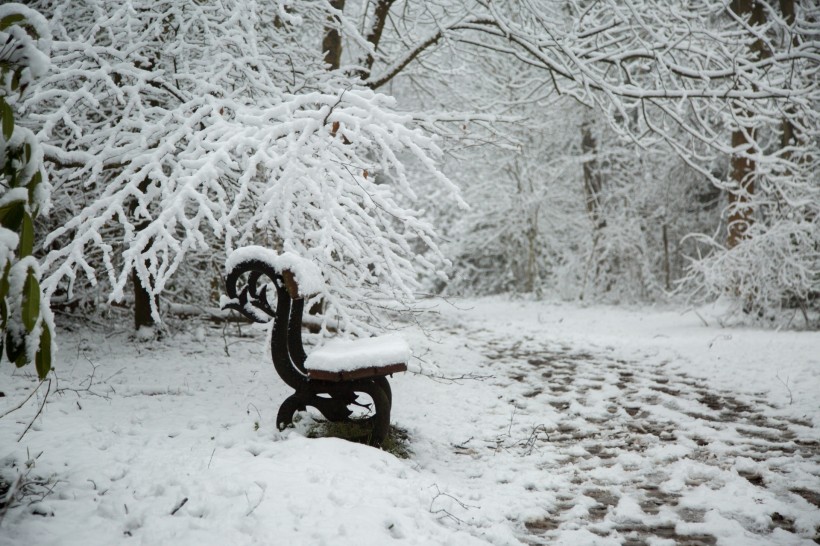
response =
{"points": [[345, 360]]}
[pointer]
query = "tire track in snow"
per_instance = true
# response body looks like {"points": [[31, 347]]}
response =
{"points": [[657, 457]]}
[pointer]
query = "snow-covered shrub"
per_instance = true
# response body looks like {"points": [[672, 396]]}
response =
{"points": [[26, 324], [777, 267]]}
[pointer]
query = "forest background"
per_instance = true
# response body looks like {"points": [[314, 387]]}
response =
{"points": [[615, 150]]}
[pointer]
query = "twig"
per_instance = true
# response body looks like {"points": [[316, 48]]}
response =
{"points": [[727, 337], [89, 379], [178, 506], [786, 384], [113, 375], [529, 443], [463, 445], [38, 411], [211, 459], [703, 320], [248, 410], [225, 339], [255, 506], [453, 379], [88, 390], [21, 404], [446, 513], [427, 295]]}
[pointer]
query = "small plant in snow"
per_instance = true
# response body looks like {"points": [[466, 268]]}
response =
{"points": [[20, 485]]}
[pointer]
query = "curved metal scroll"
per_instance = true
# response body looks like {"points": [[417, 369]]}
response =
{"points": [[251, 299]]}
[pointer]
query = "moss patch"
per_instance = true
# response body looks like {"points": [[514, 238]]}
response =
{"points": [[358, 430]]}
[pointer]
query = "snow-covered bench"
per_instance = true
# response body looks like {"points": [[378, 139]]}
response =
{"points": [[333, 377]]}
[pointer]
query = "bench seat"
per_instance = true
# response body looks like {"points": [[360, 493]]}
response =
{"points": [[347, 360]]}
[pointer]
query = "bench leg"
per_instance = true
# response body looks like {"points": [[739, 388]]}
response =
{"points": [[380, 420], [292, 404], [385, 385], [333, 408], [336, 408]]}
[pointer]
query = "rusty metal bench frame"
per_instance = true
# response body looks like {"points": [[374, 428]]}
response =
{"points": [[331, 393]]}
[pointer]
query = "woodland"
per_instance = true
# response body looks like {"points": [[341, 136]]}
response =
{"points": [[613, 151], [595, 222]]}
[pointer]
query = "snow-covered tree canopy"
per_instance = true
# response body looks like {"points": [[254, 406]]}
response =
{"points": [[173, 126]]}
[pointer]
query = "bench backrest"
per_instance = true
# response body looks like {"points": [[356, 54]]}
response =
{"points": [[250, 298]]}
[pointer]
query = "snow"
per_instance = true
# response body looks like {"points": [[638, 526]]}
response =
{"points": [[29, 53], [529, 423], [8, 242], [12, 195], [351, 354]]}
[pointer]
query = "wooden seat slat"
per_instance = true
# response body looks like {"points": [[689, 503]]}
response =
{"points": [[359, 373]]}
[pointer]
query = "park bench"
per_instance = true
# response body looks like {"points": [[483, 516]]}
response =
{"points": [[333, 378]]}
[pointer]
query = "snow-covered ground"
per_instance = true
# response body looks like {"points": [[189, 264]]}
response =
{"points": [[528, 423]]}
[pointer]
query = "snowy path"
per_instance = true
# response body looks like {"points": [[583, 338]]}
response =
{"points": [[637, 455], [549, 430]]}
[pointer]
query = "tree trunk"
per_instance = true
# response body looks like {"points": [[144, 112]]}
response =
{"points": [[532, 255], [741, 210], [743, 187], [592, 176], [667, 266], [787, 136], [375, 34], [593, 184], [332, 42], [142, 304], [142, 298]]}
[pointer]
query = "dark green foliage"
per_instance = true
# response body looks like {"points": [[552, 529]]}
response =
{"points": [[22, 322]]}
